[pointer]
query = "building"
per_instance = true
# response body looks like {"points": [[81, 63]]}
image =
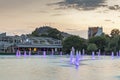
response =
{"points": [[94, 31], [12, 43]]}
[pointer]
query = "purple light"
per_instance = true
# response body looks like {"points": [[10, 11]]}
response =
{"points": [[77, 60], [71, 58], [93, 55], [79, 55], [18, 53], [44, 54], [112, 55]]}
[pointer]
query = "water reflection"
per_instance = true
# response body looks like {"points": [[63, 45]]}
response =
{"points": [[57, 68]]}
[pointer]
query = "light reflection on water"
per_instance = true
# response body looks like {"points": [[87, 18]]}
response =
{"points": [[57, 68]]}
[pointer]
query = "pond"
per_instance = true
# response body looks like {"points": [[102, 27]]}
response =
{"points": [[58, 68]]}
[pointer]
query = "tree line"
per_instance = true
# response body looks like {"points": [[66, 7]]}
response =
{"points": [[106, 43]]}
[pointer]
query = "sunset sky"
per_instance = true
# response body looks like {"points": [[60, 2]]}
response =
{"points": [[73, 16]]}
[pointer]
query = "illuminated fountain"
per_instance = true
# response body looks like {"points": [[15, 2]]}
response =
{"points": [[44, 54], [79, 55], [25, 54], [112, 55], [18, 53], [71, 58], [93, 55], [77, 61]]}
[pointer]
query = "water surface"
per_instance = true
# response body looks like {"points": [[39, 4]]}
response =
{"points": [[58, 68]]}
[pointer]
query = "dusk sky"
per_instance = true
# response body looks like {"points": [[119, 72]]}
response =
{"points": [[73, 16]]}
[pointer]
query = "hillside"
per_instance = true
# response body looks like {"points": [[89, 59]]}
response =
{"points": [[47, 31]]}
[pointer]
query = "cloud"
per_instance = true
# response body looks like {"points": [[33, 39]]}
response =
{"points": [[115, 7], [70, 29], [57, 14], [13, 4], [42, 11], [79, 4], [107, 20]]}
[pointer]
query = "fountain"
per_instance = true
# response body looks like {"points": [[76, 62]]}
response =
{"points": [[112, 55], [44, 54], [77, 60], [93, 55], [79, 53], [18, 53], [25, 54], [71, 58]]}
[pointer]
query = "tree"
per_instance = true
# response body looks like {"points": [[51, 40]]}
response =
{"points": [[92, 47], [100, 41], [73, 41], [35, 33], [115, 32], [54, 33], [114, 44]]}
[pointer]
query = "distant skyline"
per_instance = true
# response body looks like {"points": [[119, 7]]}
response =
{"points": [[72, 16]]}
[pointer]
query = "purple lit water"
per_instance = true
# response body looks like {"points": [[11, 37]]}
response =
{"points": [[58, 68]]}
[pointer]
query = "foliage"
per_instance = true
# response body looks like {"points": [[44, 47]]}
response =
{"points": [[115, 32], [73, 41], [92, 47], [114, 44], [47, 31], [54, 33], [100, 42]]}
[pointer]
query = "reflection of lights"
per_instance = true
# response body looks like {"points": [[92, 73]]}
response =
{"points": [[35, 49]]}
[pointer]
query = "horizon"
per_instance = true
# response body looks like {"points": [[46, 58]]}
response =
{"points": [[71, 16]]}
